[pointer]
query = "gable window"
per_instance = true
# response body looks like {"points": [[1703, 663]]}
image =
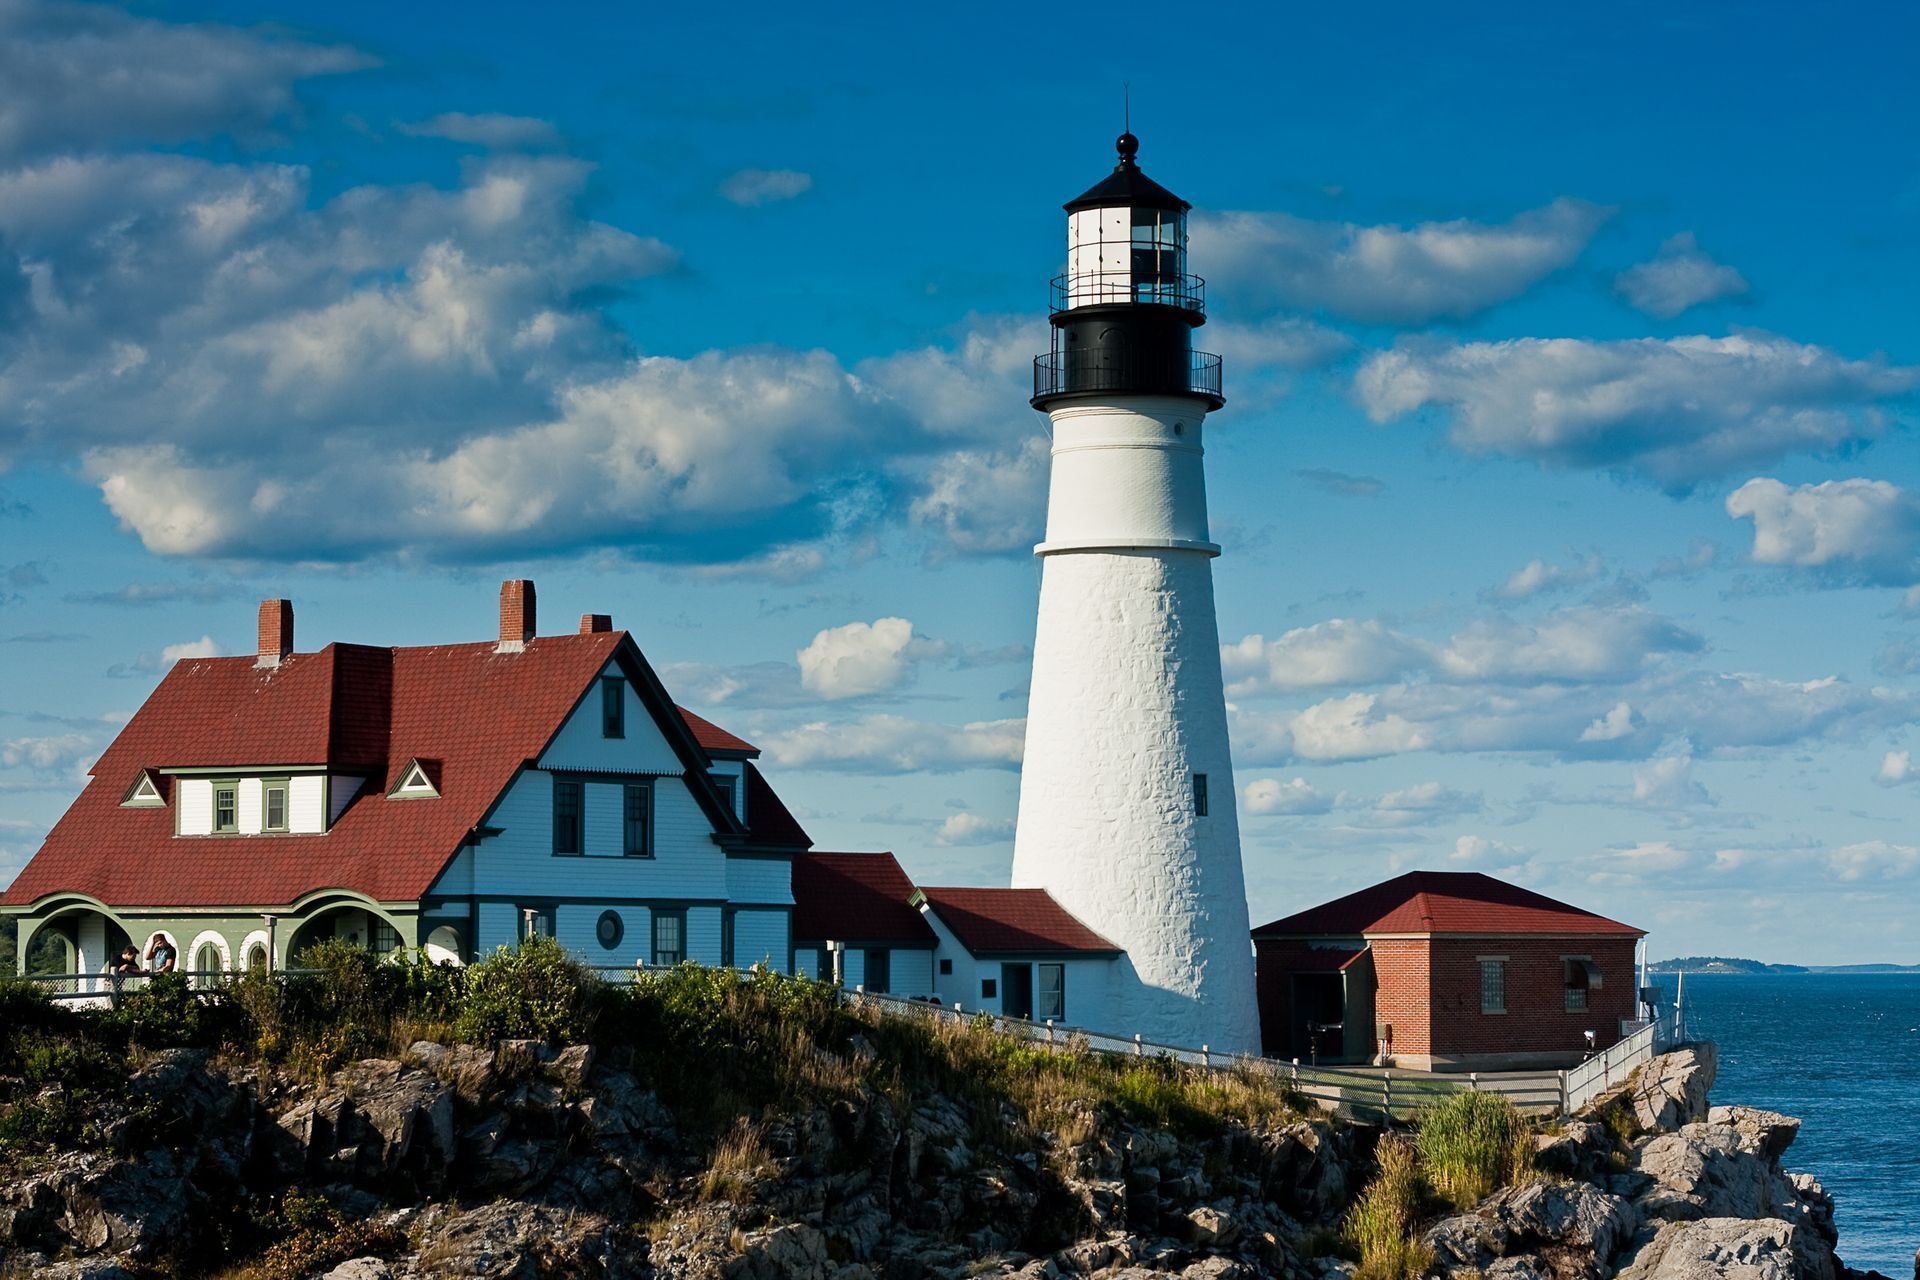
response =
{"points": [[637, 827], [567, 804], [1050, 996], [1200, 795], [1493, 985], [226, 806], [273, 805], [879, 974], [724, 784], [414, 783], [669, 937], [144, 794], [613, 707]]}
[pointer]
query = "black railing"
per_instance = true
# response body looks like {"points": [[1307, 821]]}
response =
{"points": [[1062, 373], [1106, 288]]}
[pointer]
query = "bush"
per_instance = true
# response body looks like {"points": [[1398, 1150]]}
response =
{"points": [[534, 992], [162, 1013], [1472, 1144], [1380, 1225]]}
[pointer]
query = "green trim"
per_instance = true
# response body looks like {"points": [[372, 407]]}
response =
{"points": [[286, 804]]}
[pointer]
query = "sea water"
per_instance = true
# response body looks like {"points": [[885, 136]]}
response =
{"points": [[1842, 1052]]}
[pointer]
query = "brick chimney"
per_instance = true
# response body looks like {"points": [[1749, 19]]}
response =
{"points": [[276, 632], [593, 622], [516, 615]]}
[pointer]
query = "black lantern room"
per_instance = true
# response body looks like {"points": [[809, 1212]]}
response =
{"points": [[1125, 311]]}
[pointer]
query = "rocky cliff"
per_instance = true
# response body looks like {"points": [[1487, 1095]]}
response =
{"points": [[530, 1161]]}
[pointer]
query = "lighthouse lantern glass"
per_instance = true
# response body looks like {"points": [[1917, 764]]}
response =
{"points": [[1118, 255]]}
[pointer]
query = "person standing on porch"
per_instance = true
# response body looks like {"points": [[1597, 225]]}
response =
{"points": [[161, 955]]}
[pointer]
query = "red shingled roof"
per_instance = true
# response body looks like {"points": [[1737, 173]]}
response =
{"points": [[481, 714], [1443, 902], [769, 820], [999, 921], [712, 737], [855, 897]]}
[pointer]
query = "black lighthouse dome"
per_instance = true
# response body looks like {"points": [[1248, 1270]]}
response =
{"points": [[1124, 312]]}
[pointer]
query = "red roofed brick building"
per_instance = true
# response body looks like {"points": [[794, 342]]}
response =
{"points": [[1446, 970], [445, 797]]}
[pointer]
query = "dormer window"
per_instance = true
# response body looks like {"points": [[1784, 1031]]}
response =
{"points": [[613, 707], [144, 793], [226, 805], [273, 804], [417, 781]]}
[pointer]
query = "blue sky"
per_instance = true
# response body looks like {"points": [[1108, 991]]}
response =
{"points": [[1567, 477]]}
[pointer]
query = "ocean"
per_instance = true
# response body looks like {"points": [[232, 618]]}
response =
{"points": [[1842, 1052]]}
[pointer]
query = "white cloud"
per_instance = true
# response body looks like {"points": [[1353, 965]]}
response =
{"points": [[984, 502], [765, 186], [1352, 728], [1895, 767], [887, 744], [486, 130], [1286, 342], [1675, 410], [1339, 651], [1275, 795], [1874, 860], [204, 647], [65, 753], [1855, 530], [971, 828], [1570, 644], [862, 658], [1422, 804], [1537, 576], [1650, 857], [1616, 724], [1667, 783], [1678, 277], [1390, 274], [87, 76]]}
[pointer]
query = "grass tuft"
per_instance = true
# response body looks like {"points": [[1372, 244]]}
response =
{"points": [[1380, 1225], [1472, 1144]]}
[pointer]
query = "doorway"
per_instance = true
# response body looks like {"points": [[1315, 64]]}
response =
{"points": [[1319, 1017], [1016, 990]]}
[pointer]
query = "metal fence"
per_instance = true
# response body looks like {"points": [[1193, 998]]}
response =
{"points": [[1602, 1072]]}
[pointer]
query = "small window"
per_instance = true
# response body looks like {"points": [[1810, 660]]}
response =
{"points": [[879, 970], [1493, 986], [946, 968], [1052, 994], [613, 707], [567, 803], [1200, 795], [536, 922], [989, 988], [273, 805], [726, 938], [669, 937], [637, 840], [724, 784], [610, 930], [386, 939], [226, 806], [144, 794], [1580, 979], [257, 956]]}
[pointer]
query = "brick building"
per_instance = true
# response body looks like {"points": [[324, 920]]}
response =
{"points": [[1444, 971]]}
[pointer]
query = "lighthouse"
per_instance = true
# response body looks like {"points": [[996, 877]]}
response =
{"points": [[1126, 792]]}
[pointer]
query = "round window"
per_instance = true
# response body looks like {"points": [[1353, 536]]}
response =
{"points": [[610, 929]]}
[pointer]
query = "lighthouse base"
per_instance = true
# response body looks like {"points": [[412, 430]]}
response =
{"points": [[1126, 709]]}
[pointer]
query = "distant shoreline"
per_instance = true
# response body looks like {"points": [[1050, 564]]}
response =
{"points": [[1734, 965]]}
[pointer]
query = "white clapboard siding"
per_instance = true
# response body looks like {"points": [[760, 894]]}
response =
{"points": [[580, 744], [763, 881], [760, 937], [307, 802]]}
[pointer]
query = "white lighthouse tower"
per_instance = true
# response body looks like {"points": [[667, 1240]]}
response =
{"points": [[1126, 795]]}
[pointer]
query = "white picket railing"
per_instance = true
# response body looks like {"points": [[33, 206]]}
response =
{"points": [[1602, 1072]]}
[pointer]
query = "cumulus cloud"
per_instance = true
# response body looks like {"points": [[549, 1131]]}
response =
{"points": [[1847, 530], [1896, 767], [486, 130], [888, 744], [985, 502], [1584, 644], [1678, 277], [1284, 796], [862, 658], [166, 656], [1422, 804], [1667, 783], [1873, 860], [1537, 576], [63, 754], [1339, 651], [86, 76], [1675, 411], [750, 187], [1391, 274], [970, 828]]}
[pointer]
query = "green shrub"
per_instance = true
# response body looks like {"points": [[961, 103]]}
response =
{"points": [[1472, 1144], [534, 992], [1380, 1225], [162, 1013]]}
